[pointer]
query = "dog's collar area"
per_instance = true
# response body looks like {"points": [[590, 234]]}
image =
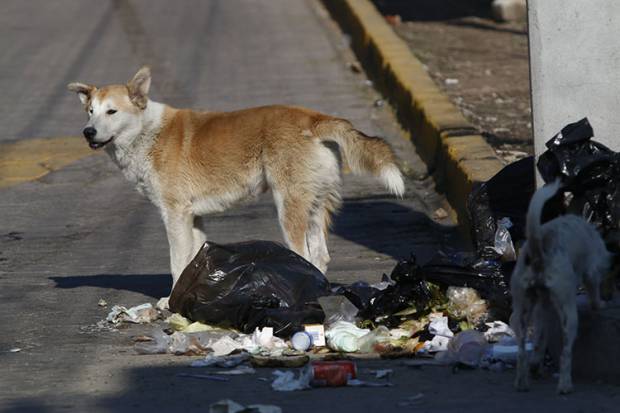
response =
{"points": [[97, 145]]}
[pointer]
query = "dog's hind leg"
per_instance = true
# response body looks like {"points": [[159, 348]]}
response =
{"points": [[542, 323], [293, 214], [522, 308], [327, 202], [566, 306]]}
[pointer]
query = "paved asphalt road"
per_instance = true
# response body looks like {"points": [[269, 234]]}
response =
{"points": [[82, 233]]}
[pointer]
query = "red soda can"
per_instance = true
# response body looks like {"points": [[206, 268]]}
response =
{"points": [[332, 373]]}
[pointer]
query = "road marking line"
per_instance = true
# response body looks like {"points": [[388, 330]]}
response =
{"points": [[30, 159]]}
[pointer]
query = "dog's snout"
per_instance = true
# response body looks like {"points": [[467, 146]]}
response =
{"points": [[89, 132]]}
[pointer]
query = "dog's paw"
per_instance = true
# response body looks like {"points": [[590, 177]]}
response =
{"points": [[162, 304], [565, 387]]}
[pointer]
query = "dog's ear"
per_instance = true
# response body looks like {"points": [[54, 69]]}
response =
{"points": [[138, 87], [83, 91]]}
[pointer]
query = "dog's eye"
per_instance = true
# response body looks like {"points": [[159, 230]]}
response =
{"points": [[111, 112], [90, 111]]}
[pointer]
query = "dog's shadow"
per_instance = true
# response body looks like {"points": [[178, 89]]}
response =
{"points": [[390, 228], [385, 227], [152, 285]]}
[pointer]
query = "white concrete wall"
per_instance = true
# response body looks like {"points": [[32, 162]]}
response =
{"points": [[575, 67]]}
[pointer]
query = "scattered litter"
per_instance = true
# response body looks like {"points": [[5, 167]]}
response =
{"points": [[184, 343], [437, 344], [229, 406], [140, 314], [467, 347], [317, 332], [301, 341], [331, 373], [344, 335], [439, 327], [102, 303], [379, 103], [465, 303], [15, 350], [451, 82], [498, 330], [248, 285], [505, 353], [224, 346], [241, 370], [203, 377], [286, 380], [382, 374], [440, 213], [222, 361], [412, 400], [99, 327], [179, 323]]}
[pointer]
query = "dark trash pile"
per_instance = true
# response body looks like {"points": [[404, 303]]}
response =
{"points": [[261, 301]]}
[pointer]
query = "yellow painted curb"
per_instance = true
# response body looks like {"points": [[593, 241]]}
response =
{"points": [[449, 145], [31, 159]]}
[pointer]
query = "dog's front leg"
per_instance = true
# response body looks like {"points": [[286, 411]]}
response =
{"points": [[179, 227]]}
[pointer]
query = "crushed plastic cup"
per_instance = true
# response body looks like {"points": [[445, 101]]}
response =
{"points": [[467, 347]]}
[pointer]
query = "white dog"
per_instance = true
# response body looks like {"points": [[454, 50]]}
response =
{"points": [[193, 163], [556, 258]]}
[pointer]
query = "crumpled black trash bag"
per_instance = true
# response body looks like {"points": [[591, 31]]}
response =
{"points": [[489, 277], [507, 194], [589, 170], [248, 285], [360, 293]]}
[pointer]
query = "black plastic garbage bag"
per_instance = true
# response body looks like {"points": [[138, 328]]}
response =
{"points": [[248, 285], [413, 286], [490, 277], [507, 194], [590, 171]]}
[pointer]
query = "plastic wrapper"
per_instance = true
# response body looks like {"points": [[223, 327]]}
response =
{"points": [[503, 240], [505, 195], [465, 303], [248, 285], [337, 308]]}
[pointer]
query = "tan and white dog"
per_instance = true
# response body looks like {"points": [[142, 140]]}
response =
{"points": [[193, 163]]}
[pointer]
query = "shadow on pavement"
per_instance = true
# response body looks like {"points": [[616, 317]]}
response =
{"points": [[430, 10], [390, 228], [153, 285]]}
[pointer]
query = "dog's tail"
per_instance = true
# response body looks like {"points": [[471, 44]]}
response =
{"points": [[365, 154], [534, 213]]}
